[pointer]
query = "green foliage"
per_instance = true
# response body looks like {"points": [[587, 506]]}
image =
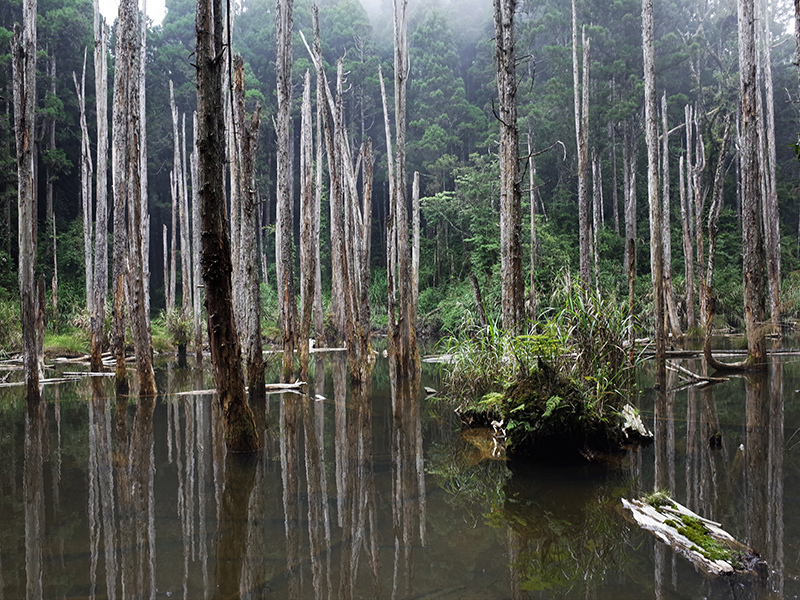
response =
{"points": [[10, 331], [179, 325], [72, 343]]}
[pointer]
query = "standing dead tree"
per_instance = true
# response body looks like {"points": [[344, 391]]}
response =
{"points": [[283, 64], [240, 429], [247, 143], [100, 275], [511, 283], [753, 264], [581, 106], [308, 210], [23, 50]]}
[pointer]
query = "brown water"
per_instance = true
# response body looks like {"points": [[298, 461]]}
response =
{"points": [[373, 493]]}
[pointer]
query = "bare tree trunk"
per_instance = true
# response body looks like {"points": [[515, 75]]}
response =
{"points": [[284, 85], [86, 189], [697, 201], [629, 159], [669, 291], [308, 211], [772, 240], [581, 144], [196, 226], [534, 253], [143, 180], [240, 430], [127, 184], [654, 201], [797, 62], [512, 285], [247, 132], [50, 177], [415, 247], [100, 276], [319, 315], [597, 203], [186, 247], [23, 49], [391, 244], [688, 248], [752, 227], [177, 205], [612, 134]]}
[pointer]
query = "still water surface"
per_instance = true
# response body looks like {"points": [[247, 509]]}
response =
{"points": [[373, 493]]}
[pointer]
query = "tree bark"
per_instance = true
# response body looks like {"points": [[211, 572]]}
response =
{"points": [[247, 132], [688, 248], [240, 430], [511, 282], [597, 203], [415, 247], [752, 227], [196, 226], [86, 189], [308, 211], [669, 291], [284, 22], [654, 201], [581, 145], [23, 48], [100, 277]]}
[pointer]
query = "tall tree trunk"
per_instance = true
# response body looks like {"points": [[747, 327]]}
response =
{"points": [[581, 145], [654, 201], [100, 276], [128, 186], [688, 248], [597, 203], [669, 291], [86, 189], [797, 62], [391, 244], [177, 205], [284, 22], [697, 202], [196, 226], [752, 227], [612, 135], [247, 131], [50, 177], [143, 180], [319, 315], [308, 211], [772, 240], [415, 246], [511, 282], [23, 49], [240, 430], [404, 341]]}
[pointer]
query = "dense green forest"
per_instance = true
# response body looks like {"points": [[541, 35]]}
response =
{"points": [[452, 142]]}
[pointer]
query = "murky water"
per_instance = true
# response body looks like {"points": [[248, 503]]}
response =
{"points": [[373, 493]]}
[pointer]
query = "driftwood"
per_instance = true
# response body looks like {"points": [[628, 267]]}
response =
{"points": [[694, 377], [633, 427], [273, 388], [711, 549]]}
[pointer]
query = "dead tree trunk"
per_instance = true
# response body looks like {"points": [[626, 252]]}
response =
{"points": [[654, 201], [597, 203], [240, 430], [581, 144], [308, 212], [772, 240], [688, 248], [250, 282], [127, 186], [100, 276], [511, 282], [666, 230], [415, 247], [752, 226], [196, 226], [86, 188], [23, 49], [284, 86]]}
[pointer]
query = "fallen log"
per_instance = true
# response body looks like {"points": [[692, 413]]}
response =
{"points": [[703, 542], [271, 388]]}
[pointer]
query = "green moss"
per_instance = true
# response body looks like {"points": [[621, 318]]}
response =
{"points": [[658, 498], [704, 543]]}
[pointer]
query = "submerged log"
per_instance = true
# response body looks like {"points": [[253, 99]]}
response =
{"points": [[703, 542]]}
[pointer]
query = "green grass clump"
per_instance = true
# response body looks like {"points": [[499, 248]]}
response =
{"points": [[72, 343]]}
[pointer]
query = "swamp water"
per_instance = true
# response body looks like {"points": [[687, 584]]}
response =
{"points": [[373, 493]]}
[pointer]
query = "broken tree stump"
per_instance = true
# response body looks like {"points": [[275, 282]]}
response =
{"points": [[704, 543]]}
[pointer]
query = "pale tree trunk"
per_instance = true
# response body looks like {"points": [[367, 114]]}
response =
{"points": [[654, 201], [247, 131], [86, 189], [629, 159], [50, 177], [100, 276], [127, 184], [177, 203], [165, 245], [143, 180], [308, 211], [405, 342], [319, 315], [752, 227], [23, 49], [391, 244], [240, 430], [581, 145], [597, 203], [187, 282], [697, 201], [772, 240], [196, 226], [415, 247], [511, 282], [669, 291], [688, 248], [797, 62], [534, 251], [284, 86], [612, 135]]}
